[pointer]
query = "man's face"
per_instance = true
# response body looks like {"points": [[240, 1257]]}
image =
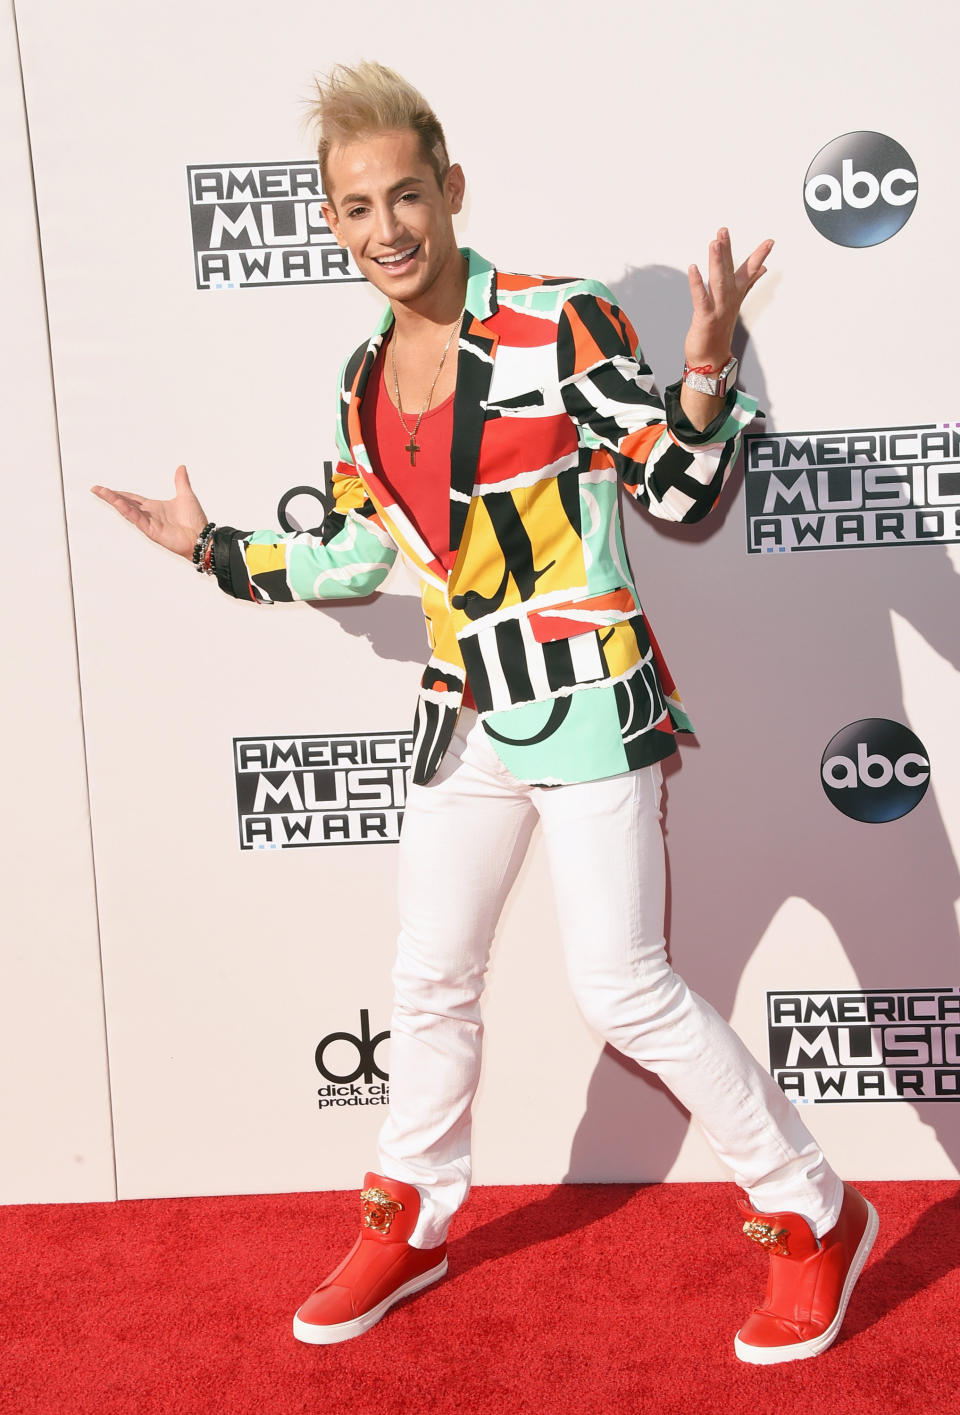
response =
{"points": [[387, 208]]}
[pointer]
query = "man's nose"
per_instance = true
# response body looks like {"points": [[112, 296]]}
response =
{"points": [[386, 224]]}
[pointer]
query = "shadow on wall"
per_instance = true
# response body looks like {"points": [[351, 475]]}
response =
{"points": [[392, 625], [784, 650]]}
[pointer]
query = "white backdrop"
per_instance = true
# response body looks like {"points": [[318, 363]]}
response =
{"points": [[610, 143], [54, 1097]]}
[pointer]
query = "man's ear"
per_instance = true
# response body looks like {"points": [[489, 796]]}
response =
{"points": [[330, 217], [455, 185]]}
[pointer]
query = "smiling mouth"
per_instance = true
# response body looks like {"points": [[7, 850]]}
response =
{"points": [[399, 258]]}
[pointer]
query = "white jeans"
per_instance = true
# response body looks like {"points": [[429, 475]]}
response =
{"points": [[463, 839]]}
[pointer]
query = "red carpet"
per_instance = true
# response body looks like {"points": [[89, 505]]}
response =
{"points": [[569, 1300]]}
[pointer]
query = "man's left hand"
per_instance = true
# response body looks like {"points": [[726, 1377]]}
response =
{"points": [[716, 306]]}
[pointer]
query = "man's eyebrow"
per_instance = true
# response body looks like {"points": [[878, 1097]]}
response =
{"points": [[404, 182]]}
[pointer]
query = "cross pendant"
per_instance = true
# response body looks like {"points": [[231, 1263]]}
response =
{"points": [[413, 448]]}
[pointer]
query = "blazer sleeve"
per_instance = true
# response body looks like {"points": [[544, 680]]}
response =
{"points": [[674, 470], [349, 558]]}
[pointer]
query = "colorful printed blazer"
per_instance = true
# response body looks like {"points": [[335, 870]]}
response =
{"points": [[553, 409]]}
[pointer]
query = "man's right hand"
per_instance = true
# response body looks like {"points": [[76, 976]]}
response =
{"points": [[174, 524]]}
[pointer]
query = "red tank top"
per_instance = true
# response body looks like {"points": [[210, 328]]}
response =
{"points": [[423, 489]]}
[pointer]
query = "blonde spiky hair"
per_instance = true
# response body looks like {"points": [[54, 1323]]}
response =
{"points": [[353, 102]]}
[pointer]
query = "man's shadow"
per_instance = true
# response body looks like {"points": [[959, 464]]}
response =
{"points": [[785, 651]]}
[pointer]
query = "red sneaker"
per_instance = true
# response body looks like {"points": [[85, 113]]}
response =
{"points": [[810, 1281], [380, 1269]]}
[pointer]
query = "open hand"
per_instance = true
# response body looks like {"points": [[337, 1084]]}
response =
{"points": [[174, 524], [716, 306]]}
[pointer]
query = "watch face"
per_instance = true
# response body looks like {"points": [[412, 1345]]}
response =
{"points": [[728, 376]]}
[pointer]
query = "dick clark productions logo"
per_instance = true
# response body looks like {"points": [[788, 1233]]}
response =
{"points": [[860, 189], [875, 770], [363, 1081], [365, 1047]]}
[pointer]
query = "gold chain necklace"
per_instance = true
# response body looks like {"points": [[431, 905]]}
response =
{"points": [[413, 446]]}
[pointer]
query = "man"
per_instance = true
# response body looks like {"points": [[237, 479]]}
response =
{"points": [[482, 433]]}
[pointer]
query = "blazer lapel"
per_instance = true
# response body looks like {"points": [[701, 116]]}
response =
{"points": [[476, 352], [357, 390]]}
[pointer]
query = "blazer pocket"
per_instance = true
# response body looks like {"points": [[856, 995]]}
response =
{"points": [[581, 616]]}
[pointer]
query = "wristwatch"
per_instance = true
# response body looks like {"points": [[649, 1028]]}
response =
{"points": [[715, 385]]}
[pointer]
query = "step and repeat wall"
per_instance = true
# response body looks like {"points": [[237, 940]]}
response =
{"points": [[201, 836]]}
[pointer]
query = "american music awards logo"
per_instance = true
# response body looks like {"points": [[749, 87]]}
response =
{"points": [[256, 224], [829, 1048], [346, 788], [852, 489]]}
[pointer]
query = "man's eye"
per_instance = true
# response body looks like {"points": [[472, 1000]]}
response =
{"points": [[408, 196], [357, 211]]}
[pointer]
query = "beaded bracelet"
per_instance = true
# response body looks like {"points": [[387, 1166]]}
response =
{"points": [[199, 543], [205, 562], [201, 562], [204, 539]]}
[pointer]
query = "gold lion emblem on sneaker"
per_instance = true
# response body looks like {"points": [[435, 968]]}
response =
{"points": [[774, 1240], [379, 1210]]}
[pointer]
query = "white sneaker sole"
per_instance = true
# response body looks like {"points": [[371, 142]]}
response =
{"points": [[343, 1331], [771, 1355]]}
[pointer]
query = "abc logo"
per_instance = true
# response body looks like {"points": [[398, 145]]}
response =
{"points": [[875, 770], [362, 1051], [860, 189]]}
